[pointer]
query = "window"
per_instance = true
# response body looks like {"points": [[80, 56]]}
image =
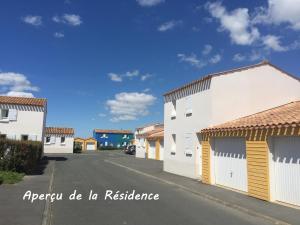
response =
{"points": [[104, 136], [125, 136], [188, 106], [48, 140], [173, 144], [188, 144], [173, 112], [2, 136], [24, 137], [124, 143], [4, 114], [62, 140]]}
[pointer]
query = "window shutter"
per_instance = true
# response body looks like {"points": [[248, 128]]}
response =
{"points": [[11, 136], [52, 139], [32, 137], [188, 105], [12, 114]]}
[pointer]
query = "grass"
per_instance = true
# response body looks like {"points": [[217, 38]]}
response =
{"points": [[9, 177]]}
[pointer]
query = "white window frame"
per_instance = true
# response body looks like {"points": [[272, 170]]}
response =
{"points": [[4, 119], [64, 142], [48, 142], [173, 111], [173, 146], [188, 106]]}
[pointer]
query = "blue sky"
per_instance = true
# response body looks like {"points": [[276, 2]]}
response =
{"points": [[106, 64]]}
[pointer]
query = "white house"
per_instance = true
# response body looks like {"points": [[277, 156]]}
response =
{"points": [[215, 99], [155, 145], [140, 138], [22, 118], [58, 140]]}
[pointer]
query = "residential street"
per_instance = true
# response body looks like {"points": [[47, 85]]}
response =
{"points": [[115, 171]]}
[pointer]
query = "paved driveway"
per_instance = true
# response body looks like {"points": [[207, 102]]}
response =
{"points": [[117, 172]]}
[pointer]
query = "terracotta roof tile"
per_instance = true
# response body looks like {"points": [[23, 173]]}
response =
{"points": [[287, 115], [113, 131], [152, 132], [23, 101], [59, 130], [156, 135]]}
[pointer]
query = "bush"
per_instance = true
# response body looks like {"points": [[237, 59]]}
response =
{"points": [[19, 156]]}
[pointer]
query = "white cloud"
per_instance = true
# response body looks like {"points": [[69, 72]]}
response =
{"points": [[280, 12], [170, 25], [129, 75], [236, 22], [115, 77], [129, 106], [197, 62], [215, 59], [70, 19], [191, 59], [20, 94], [254, 55], [58, 35], [239, 57], [146, 76], [273, 42], [146, 90], [207, 49], [149, 3], [33, 20], [16, 84]]}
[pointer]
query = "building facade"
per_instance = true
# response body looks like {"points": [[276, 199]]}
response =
{"points": [[22, 118], [155, 145], [140, 141], [215, 99], [258, 154], [113, 138], [87, 144], [58, 140]]}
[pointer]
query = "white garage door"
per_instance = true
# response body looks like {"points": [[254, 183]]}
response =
{"points": [[161, 150], [287, 169], [151, 152], [230, 163], [90, 146]]}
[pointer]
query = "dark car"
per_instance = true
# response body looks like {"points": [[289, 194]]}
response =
{"points": [[130, 149]]}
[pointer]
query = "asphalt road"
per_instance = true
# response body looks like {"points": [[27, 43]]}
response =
{"points": [[96, 172]]}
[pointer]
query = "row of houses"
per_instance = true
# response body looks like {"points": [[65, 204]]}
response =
{"points": [[25, 119], [239, 129]]}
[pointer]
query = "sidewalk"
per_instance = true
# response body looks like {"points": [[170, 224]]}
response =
{"points": [[271, 211], [15, 211]]}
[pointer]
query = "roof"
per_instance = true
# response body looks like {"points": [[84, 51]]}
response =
{"points": [[287, 115], [113, 131], [59, 130], [156, 135], [150, 133], [265, 62], [23, 101]]}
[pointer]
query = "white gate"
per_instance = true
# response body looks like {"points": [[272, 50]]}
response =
{"points": [[230, 163], [287, 169]]}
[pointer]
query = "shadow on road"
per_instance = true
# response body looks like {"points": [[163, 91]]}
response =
{"points": [[40, 169]]}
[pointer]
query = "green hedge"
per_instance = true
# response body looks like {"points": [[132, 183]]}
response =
{"points": [[19, 156]]}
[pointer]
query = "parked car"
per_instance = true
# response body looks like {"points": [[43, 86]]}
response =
{"points": [[130, 149]]}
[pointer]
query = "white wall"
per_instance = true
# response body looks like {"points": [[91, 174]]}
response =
{"points": [[30, 121], [250, 91], [229, 97], [180, 163], [56, 146], [140, 151]]}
